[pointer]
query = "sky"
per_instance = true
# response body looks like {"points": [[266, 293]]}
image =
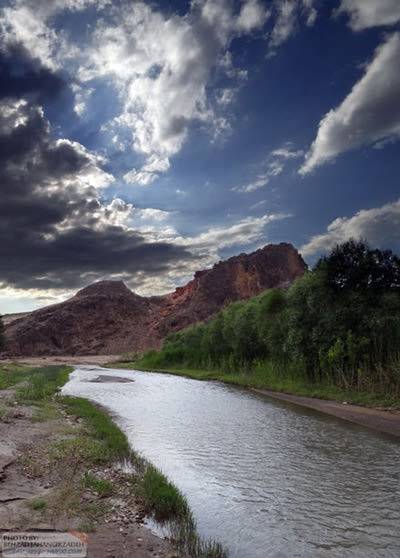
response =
{"points": [[143, 141]]}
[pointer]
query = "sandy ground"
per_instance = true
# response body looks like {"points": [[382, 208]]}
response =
{"points": [[98, 360], [23, 443], [377, 419]]}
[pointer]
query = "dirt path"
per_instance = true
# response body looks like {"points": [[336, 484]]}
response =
{"points": [[29, 477], [377, 419]]}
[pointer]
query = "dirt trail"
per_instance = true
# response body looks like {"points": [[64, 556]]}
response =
{"points": [[377, 419], [27, 476]]}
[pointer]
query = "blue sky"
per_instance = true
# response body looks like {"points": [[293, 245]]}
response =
{"points": [[161, 137]]}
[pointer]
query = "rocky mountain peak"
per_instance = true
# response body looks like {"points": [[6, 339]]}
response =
{"points": [[108, 318]]}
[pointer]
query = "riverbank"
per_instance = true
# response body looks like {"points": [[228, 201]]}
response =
{"points": [[65, 465], [368, 410]]}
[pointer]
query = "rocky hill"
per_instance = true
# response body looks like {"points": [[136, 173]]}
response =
{"points": [[107, 318]]}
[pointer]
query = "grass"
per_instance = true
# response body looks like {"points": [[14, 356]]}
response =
{"points": [[103, 487], [100, 441], [160, 496], [42, 383], [39, 504], [46, 410], [12, 374], [77, 451], [264, 376], [102, 427]]}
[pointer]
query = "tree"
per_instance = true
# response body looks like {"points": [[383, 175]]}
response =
{"points": [[353, 265], [2, 336]]}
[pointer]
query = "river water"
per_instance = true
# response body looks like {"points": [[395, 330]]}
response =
{"points": [[267, 479]]}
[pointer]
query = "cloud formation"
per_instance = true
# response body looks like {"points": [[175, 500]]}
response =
{"points": [[273, 166], [59, 234], [369, 114], [380, 226], [370, 13], [56, 231], [288, 16], [161, 65]]}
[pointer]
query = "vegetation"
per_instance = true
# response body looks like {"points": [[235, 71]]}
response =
{"points": [[114, 442], [38, 504], [103, 487], [96, 442], [335, 331], [160, 496], [12, 374], [42, 383], [2, 337]]}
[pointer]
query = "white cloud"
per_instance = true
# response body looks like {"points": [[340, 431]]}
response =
{"points": [[159, 63], [225, 96], [246, 231], [161, 66], [370, 13], [91, 174], [27, 22], [273, 166], [19, 24], [252, 15], [287, 16], [149, 172], [379, 226], [369, 114]]}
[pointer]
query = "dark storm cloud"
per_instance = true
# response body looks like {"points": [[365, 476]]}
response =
{"points": [[54, 228], [23, 76]]}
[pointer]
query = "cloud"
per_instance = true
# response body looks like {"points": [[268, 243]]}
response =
{"points": [[149, 172], [246, 231], [24, 76], [272, 167], [370, 13], [160, 65], [287, 16], [26, 23], [369, 114], [379, 226], [252, 15], [56, 231]]}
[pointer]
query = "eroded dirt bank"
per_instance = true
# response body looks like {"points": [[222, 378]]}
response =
{"points": [[382, 420], [43, 459]]}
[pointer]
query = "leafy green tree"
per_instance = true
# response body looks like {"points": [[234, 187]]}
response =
{"points": [[354, 265]]}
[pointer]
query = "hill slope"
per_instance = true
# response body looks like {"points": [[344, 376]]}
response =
{"points": [[107, 318]]}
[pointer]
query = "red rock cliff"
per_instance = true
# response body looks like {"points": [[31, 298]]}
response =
{"points": [[108, 318]]}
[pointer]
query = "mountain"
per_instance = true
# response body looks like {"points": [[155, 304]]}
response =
{"points": [[108, 318]]}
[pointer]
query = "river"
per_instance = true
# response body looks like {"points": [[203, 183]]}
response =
{"points": [[265, 478]]}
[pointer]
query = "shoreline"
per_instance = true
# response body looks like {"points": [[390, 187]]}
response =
{"points": [[111, 491], [374, 417], [386, 421]]}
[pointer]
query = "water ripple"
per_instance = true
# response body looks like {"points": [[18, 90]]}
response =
{"points": [[265, 478]]}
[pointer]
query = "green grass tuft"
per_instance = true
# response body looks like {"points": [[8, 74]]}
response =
{"points": [[39, 504], [160, 496], [103, 428], [43, 383], [103, 487]]}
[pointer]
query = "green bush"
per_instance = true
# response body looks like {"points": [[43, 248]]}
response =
{"points": [[338, 324]]}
